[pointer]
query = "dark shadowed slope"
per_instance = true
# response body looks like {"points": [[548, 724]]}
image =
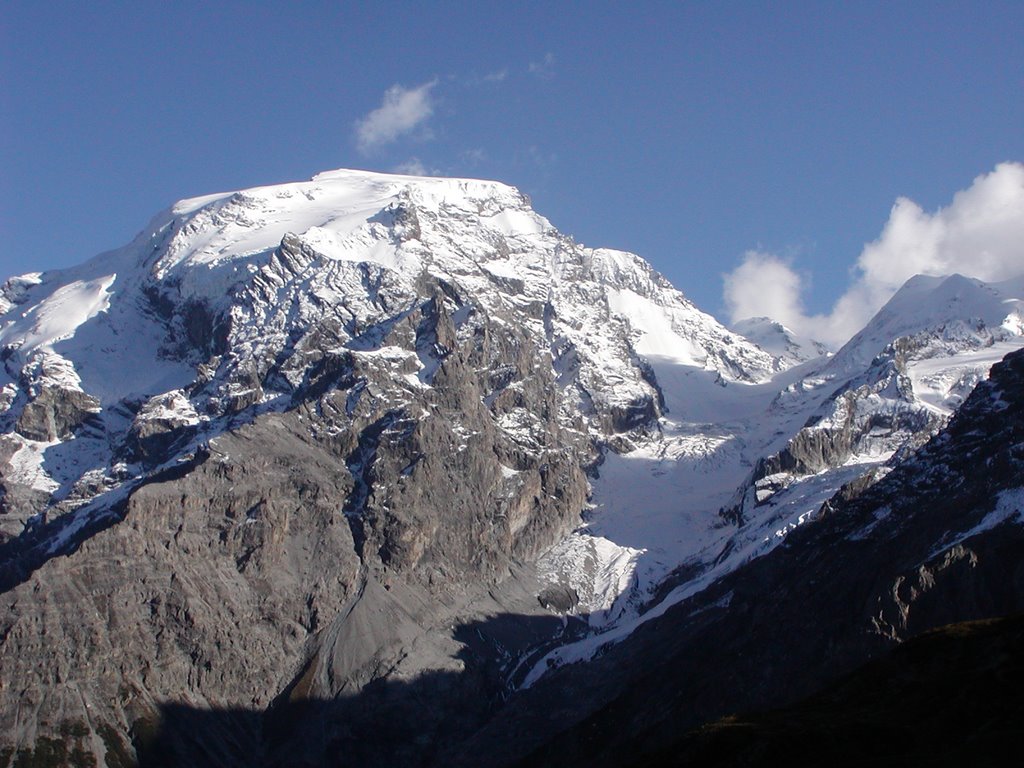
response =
{"points": [[951, 696]]}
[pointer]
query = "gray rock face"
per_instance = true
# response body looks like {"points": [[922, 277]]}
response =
{"points": [[275, 556], [340, 486], [162, 424], [55, 413], [137, 614]]}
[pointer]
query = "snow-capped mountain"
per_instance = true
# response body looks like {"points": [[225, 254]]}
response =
{"points": [[776, 339], [215, 302], [912, 367], [310, 439]]}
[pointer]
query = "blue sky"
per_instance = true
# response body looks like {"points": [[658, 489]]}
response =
{"points": [[690, 133]]}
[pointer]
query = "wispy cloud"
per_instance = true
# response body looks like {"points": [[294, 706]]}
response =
{"points": [[474, 80], [979, 234], [402, 110], [406, 112], [412, 167], [538, 157], [472, 157], [543, 68]]}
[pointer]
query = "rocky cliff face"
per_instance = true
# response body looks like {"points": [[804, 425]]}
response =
{"points": [[282, 444]]}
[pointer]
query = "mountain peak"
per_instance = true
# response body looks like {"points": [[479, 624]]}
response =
{"points": [[941, 306], [216, 302], [778, 340]]}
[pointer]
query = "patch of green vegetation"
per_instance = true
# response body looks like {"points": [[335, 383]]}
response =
{"points": [[117, 754], [48, 753], [81, 758], [144, 732]]}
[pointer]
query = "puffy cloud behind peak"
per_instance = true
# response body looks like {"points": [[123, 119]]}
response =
{"points": [[979, 234], [745, 294]]}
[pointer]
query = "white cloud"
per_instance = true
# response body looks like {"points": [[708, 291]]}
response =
{"points": [[763, 286], [412, 167], [401, 111], [472, 157], [979, 234], [496, 77], [543, 68]]}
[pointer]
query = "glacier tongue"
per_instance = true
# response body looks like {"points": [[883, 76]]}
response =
{"points": [[828, 424]]}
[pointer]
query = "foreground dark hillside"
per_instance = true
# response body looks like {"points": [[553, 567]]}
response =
{"points": [[951, 696]]}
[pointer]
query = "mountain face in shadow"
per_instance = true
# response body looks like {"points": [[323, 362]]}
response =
{"points": [[950, 696]]}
